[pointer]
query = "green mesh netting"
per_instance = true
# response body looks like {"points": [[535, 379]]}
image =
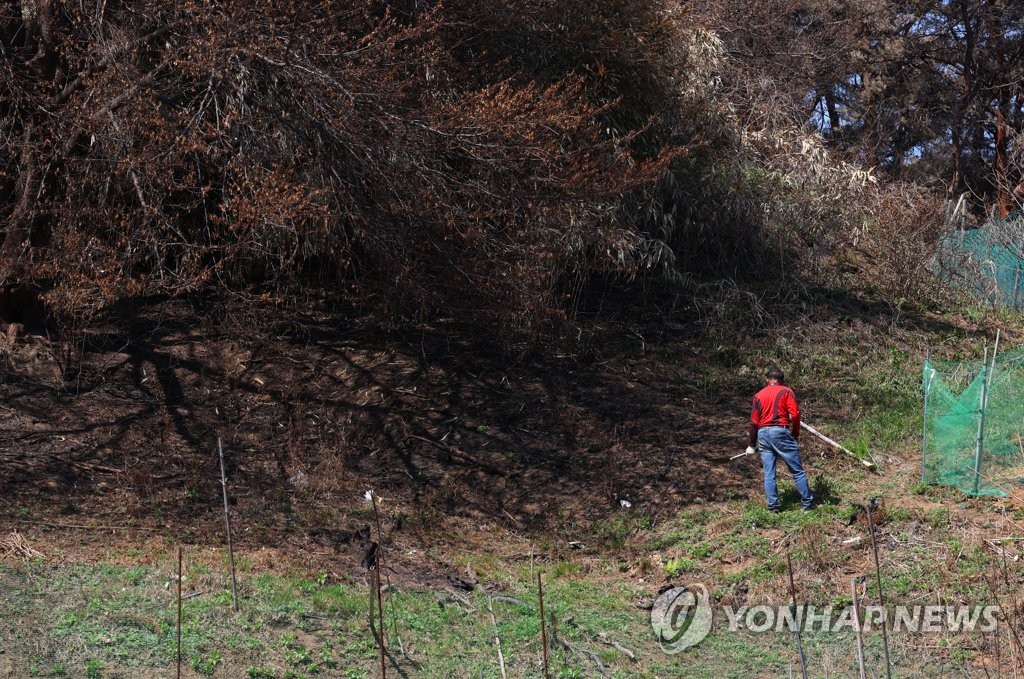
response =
{"points": [[988, 262], [955, 429]]}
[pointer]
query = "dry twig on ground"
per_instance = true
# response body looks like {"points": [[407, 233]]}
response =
{"points": [[15, 546]]}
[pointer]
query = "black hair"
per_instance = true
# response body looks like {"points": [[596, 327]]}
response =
{"points": [[775, 374]]}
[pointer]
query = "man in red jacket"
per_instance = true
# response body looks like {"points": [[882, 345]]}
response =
{"points": [[775, 427]]}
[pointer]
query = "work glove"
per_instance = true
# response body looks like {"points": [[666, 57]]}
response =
{"points": [[750, 450]]}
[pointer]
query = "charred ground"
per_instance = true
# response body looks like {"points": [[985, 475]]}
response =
{"points": [[316, 410]]}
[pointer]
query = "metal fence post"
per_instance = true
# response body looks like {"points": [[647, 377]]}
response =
{"points": [[986, 387], [981, 422], [1016, 287], [929, 376]]}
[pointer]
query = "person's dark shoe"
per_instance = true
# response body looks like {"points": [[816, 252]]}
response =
{"points": [[808, 509], [774, 510]]}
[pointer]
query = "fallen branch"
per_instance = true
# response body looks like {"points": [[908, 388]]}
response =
{"points": [[456, 453], [572, 648], [617, 646], [16, 546], [445, 598], [21, 461], [96, 467], [84, 527], [587, 653], [193, 595], [497, 639], [1001, 551]]}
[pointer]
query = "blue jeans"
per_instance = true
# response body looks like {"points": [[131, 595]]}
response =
{"points": [[778, 442]]}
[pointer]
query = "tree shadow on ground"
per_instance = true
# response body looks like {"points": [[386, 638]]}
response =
{"points": [[314, 409], [435, 419]]}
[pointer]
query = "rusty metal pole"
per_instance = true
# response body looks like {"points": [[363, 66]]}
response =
{"points": [[881, 598], [380, 613], [543, 628], [179, 613], [796, 620]]}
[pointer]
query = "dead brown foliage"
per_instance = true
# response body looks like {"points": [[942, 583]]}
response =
{"points": [[421, 158]]}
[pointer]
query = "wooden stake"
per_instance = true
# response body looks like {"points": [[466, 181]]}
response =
{"points": [[857, 628], [372, 591], [179, 613], [227, 521], [380, 612], [543, 629], [382, 570], [380, 532]]}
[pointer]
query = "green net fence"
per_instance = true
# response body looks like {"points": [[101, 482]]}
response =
{"points": [[974, 424], [988, 262]]}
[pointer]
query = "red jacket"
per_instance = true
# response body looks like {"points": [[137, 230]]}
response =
{"points": [[776, 406]]}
